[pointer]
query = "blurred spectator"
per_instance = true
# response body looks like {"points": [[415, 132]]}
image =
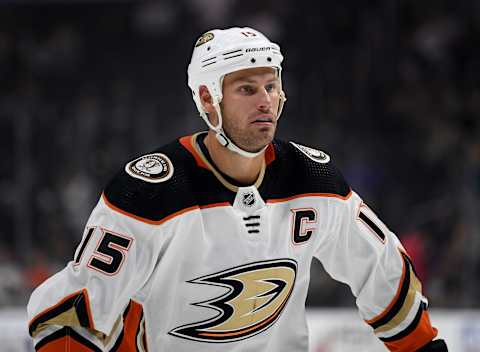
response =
{"points": [[37, 271], [12, 288], [414, 243]]}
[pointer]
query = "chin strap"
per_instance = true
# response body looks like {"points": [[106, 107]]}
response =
{"points": [[227, 142], [222, 137]]}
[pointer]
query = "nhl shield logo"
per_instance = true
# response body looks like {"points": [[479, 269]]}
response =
{"points": [[248, 199]]}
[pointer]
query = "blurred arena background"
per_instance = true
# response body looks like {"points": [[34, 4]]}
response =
{"points": [[389, 88]]}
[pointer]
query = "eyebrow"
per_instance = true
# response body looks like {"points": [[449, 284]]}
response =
{"points": [[250, 80]]}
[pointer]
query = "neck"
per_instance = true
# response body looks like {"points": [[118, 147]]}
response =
{"points": [[242, 169]]}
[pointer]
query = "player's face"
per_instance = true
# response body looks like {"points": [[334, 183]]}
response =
{"points": [[249, 107]]}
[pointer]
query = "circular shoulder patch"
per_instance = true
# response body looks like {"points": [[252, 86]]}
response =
{"points": [[314, 154], [153, 168]]}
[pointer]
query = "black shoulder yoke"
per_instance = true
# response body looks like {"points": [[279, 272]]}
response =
{"points": [[154, 200], [299, 170], [293, 172]]}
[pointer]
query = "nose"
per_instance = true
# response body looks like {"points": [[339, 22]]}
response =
{"points": [[264, 100]]}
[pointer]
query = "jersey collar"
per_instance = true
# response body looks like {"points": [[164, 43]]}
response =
{"points": [[191, 144]]}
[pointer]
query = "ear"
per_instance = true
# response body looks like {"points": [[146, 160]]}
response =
{"points": [[206, 99]]}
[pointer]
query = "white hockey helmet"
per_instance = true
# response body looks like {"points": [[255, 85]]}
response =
{"points": [[219, 52]]}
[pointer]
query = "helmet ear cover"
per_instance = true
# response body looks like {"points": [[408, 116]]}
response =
{"points": [[220, 52]]}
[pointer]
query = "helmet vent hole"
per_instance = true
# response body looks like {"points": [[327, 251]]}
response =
{"points": [[253, 60], [269, 59]]}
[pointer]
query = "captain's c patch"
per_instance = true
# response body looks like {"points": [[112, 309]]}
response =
{"points": [[154, 168], [257, 293]]}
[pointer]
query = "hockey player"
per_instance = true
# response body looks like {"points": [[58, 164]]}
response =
{"points": [[205, 244]]}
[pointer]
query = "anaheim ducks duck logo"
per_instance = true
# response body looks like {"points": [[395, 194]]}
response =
{"points": [[257, 294], [206, 37]]}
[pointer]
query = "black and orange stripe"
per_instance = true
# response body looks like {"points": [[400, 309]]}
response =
{"points": [[66, 339], [410, 328], [399, 300], [419, 331], [417, 334], [78, 301], [133, 330], [132, 337]]}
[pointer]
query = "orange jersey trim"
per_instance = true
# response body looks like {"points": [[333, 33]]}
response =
{"points": [[161, 221], [139, 218], [303, 195], [187, 143], [269, 154], [130, 328], [418, 338], [64, 344], [214, 205]]}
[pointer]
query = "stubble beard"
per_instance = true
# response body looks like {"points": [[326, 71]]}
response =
{"points": [[252, 139]]}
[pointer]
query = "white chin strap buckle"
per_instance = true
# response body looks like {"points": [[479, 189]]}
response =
{"points": [[227, 143], [222, 139]]}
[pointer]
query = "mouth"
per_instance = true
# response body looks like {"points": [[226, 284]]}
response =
{"points": [[263, 120]]}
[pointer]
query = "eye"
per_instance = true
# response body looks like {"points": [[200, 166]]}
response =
{"points": [[246, 89], [271, 87]]}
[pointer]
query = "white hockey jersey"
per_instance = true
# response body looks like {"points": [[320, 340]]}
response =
{"points": [[175, 257]]}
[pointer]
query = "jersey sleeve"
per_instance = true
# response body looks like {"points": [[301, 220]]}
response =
{"points": [[87, 303], [363, 253]]}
